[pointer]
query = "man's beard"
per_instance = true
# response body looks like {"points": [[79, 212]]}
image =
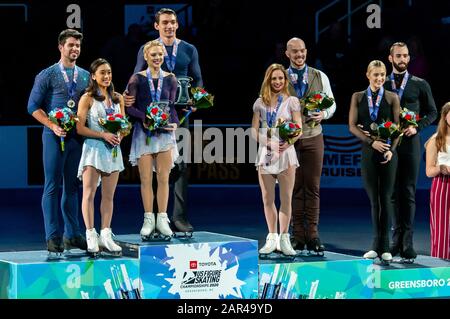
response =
{"points": [[400, 68]]}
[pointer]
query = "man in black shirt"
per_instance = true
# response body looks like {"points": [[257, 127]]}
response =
{"points": [[415, 95]]}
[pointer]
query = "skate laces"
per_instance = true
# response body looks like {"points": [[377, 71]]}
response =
{"points": [[91, 234], [107, 234], [164, 218], [285, 241], [271, 240], [148, 221]]}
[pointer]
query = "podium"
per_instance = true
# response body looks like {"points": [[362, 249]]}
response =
{"points": [[206, 266], [427, 277], [31, 275]]}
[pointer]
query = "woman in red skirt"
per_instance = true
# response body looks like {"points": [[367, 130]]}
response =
{"points": [[438, 167]]}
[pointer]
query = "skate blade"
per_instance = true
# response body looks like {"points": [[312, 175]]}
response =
{"points": [[54, 256], [402, 260], [265, 256], [107, 253], [74, 253], [277, 255], [287, 257], [156, 237], [93, 255], [178, 234], [385, 262], [317, 253]]}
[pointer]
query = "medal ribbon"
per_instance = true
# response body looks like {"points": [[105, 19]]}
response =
{"points": [[300, 88], [170, 60], [71, 86], [270, 116], [373, 109], [402, 86], [155, 94]]}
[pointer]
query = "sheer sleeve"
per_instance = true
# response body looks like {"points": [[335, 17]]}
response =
{"points": [[294, 104], [353, 120], [396, 112], [133, 88], [172, 96], [257, 105]]}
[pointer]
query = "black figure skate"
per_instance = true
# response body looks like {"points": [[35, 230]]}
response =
{"points": [[314, 246], [55, 248], [182, 228]]}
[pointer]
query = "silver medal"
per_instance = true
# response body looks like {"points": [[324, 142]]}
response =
{"points": [[373, 126], [268, 157]]}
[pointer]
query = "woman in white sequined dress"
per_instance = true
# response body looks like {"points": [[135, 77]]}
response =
{"points": [[277, 160], [97, 160]]}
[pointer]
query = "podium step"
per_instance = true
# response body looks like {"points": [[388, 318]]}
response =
{"points": [[308, 276], [31, 275], [426, 277]]}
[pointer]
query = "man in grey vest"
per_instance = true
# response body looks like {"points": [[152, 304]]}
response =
{"points": [[310, 148]]}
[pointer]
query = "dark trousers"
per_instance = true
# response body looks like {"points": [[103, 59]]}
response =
{"points": [[409, 152], [179, 178], [60, 166], [379, 183], [306, 194]]}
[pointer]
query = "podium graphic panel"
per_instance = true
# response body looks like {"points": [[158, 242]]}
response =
{"points": [[210, 270], [327, 279]]}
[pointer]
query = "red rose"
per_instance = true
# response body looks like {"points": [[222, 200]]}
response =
{"points": [[111, 118], [317, 96], [164, 116], [202, 91], [120, 116], [291, 126], [408, 117], [154, 110], [59, 115], [417, 117], [297, 126], [387, 124]]}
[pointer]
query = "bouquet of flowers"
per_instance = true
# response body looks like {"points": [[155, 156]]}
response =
{"points": [[117, 124], [156, 118], [202, 100], [288, 130], [315, 102], [385, 132], [64, 118], [408, 118]]}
